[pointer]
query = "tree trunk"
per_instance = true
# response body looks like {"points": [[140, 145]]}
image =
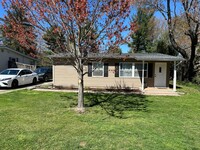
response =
{"points": [[80, 91], [191, 73], [171, 32]]}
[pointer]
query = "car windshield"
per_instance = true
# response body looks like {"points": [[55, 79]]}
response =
{"points": [[41, 70], [9, 72]]}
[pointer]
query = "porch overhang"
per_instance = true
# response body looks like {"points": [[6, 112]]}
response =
{"points": [[157, 57]]}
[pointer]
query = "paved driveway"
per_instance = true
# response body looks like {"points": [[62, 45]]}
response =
{"points": [[3, 91], [7, 90]]}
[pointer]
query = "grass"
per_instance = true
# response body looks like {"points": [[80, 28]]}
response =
{"points": [[46, 120]]}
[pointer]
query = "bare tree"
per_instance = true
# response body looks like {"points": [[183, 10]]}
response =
{"points": [[190, 11], [77, 19]]}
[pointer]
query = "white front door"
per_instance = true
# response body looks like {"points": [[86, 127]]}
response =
{"points": [[160, 74]]}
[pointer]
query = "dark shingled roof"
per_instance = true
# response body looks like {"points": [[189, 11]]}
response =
{"points": [[157, 57], [136, 56]]}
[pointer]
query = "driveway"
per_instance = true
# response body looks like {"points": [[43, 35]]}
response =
{"points": [[2, 91], [29, 87]]}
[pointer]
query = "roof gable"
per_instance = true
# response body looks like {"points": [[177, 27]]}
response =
{"points": [[21, 54]]}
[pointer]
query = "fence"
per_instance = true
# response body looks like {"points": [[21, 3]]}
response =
{"points": [[20, 65], [27, 66]]}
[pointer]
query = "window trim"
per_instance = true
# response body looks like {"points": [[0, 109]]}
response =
{"points": [[94, 69]]}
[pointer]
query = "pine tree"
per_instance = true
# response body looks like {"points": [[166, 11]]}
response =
{"points": [[142, 38], [54, 38]]}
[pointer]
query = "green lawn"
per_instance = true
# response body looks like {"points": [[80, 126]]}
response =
{"points": [[46, 120]]}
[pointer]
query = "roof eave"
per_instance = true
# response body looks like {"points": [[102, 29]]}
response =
{"points": [[29, 57], [168, 60]]}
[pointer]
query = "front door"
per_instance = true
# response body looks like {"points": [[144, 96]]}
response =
{"points": [[160, 74]]}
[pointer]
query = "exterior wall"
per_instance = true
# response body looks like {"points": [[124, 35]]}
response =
{"points": [[5, 54], [111, 81], [66, 76], [4, 59], [149, 82]]}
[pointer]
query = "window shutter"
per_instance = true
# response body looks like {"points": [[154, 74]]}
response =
{"points": [[150, 70], [105, 69], [89, 69], [116, 69]]}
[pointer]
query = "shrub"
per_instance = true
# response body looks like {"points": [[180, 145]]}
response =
{"points": [[196, 79]]}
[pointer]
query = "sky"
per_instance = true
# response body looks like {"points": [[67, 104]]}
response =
{"points": [[2, 12], [124, 48]]}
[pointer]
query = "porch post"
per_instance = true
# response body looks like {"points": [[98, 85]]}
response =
{"points": [[174, 78], [143, 75]]}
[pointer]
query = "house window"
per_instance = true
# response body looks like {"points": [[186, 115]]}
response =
{"points": [[138, 70], [98, 69], [125, 70], [132, 70], [160, 70], [13, 59], [150, 70]]}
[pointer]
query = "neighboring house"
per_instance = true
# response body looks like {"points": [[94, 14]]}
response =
{"points": [[10, 58], [138, 70]]}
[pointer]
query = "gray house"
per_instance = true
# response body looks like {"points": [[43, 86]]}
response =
{"points": [[10, 58]]}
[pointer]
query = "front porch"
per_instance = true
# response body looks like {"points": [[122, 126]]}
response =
{"points": [[161, 73], [160, 91]]}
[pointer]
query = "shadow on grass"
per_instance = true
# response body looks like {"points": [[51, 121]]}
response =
{"points": [[116, 104]]}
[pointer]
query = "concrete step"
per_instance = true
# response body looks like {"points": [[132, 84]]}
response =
{"points": [[160, 91], [165, 93], [162, 94]]}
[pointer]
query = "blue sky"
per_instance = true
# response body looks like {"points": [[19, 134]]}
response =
{"points": [[2, 12], [124, 48]]}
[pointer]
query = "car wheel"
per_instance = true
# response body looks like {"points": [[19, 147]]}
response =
{"points": [[34, 81], [46, 78], [14, 84]]}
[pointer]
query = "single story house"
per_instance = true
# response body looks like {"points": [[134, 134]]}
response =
{"points": [[137, 70], [10, 58]]}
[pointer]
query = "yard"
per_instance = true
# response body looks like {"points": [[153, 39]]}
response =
{"points": [[46, 120]]}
